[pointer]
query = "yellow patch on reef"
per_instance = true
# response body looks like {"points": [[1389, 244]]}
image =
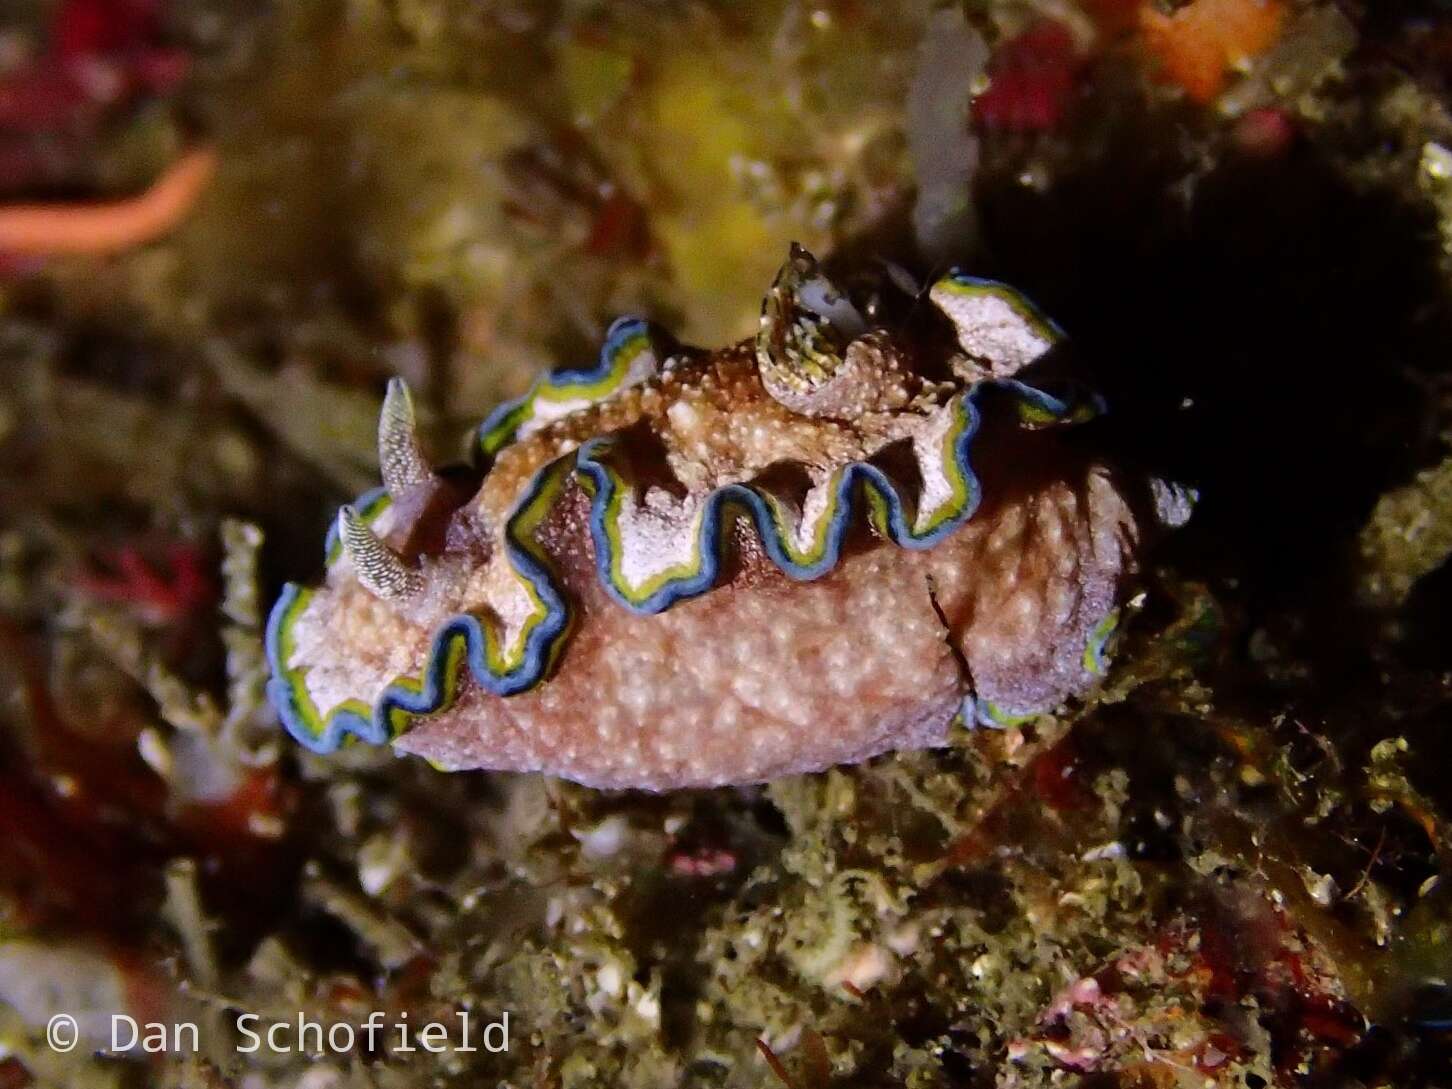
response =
{"points": [[710, 132], [595, 78], [706, 119], [709, 251]]}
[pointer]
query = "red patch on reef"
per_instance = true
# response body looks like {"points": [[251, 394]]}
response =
{"points": [[101, 52], [86, 826], [1195, 971], [1264, 133], [701, 861], [148, 995], [619, 229], [99, 55], [257, 806], [14, 1075], [156, 594], [1055, 781], [1113, 16], [80, 821], [1031, 79], [102, 26]]}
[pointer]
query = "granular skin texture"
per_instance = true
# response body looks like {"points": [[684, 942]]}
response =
{"points": [[968, 571], [766, 676]]}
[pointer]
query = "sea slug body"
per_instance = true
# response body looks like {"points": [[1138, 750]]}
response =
{"points": [[684, 568]]}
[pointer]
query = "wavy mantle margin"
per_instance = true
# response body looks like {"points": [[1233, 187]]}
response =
{"points": [[508, 669]]}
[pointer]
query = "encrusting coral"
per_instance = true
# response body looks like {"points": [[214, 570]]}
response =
{"points": [[688, 568]]}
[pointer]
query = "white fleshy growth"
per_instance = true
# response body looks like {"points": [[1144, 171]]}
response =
{"points": [[656, 535], [928, 449], [991, 329]]}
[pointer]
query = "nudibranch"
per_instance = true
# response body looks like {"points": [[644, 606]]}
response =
{"points": [[684, 568]]}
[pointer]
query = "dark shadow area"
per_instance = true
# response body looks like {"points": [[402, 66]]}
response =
{"points": [[1255, 342]]}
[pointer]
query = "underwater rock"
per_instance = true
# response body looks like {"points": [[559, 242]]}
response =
{"points": [[687, 568]]}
